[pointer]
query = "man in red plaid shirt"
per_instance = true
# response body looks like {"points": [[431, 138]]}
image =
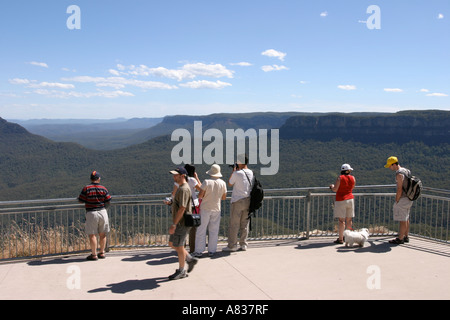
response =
{"points": [[96, 199]]}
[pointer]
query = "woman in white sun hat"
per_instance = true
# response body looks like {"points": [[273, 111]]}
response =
{"points": [[212, 192], [344, 206]]}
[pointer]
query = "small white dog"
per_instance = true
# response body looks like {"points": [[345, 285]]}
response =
{"points": [[359, 237]]}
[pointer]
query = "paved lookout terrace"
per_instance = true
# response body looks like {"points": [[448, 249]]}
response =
{"points": [[269, 270]]}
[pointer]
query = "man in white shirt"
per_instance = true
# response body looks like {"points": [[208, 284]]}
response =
{"points": [[241, 181]]}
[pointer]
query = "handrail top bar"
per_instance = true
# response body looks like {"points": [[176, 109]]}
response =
{"points": [[122, 197]]}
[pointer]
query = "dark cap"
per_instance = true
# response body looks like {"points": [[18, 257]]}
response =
{"points": [[179, 170], [95, 175]]}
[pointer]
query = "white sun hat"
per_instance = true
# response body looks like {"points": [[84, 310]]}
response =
{"points": [[214, 171]]}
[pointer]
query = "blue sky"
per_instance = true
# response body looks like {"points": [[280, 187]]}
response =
{"points": [[155, 58]]}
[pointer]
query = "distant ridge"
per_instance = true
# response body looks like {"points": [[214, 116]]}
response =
{"points": [[11, 128], [92, 133], [222, 121], [431, 127]]}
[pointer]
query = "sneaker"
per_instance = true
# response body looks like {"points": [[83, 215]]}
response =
{"points": [[228, 249], [406, 239], [211, 254], [397, 241], [191, 264], [178, 275], [197, 254], [243, 248]]}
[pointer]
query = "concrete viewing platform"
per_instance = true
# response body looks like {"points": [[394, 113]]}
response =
{"points": [[268, 270]]}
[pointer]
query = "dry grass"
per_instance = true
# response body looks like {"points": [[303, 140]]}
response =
{"points": [[38, 241], [18, 243]]}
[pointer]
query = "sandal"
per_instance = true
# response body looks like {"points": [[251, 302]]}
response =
{"points": [[338, 241], [101, 255], [92, 257], [397, 241]]}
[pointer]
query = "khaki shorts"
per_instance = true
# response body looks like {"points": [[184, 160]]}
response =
{"points": [[401, 209], [344, 209], [97, 222], [179, 237]]}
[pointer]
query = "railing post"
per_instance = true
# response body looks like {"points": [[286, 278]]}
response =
{"points": [[308, 214]]}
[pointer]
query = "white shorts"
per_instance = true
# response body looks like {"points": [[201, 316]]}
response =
{"points": [[401, 209], [344, 209], [97, 222]]}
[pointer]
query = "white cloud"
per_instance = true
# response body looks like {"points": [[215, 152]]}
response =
{"points": [[143, 70], [114, 72], [324, 14], [120, 82], [204, 84], [241, 64], [347, 87], [19, 81], [274, 67], [39, 64], [188, 71], [211, 70], [9, 95], [52, 85], [178, 75], [274, 54], [434, 94], [126, 77], [68, 70], [35, 84], [113, 94], [146, 71], [116, 86], [393, 90], [74, 94]]}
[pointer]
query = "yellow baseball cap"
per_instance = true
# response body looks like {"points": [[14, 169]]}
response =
{"points": [[391, 161]]}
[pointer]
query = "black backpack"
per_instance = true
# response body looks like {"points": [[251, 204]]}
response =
{"points": [[413, 186], [256, 195]]}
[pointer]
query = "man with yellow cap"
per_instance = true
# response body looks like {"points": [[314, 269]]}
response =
{"points": [[402, 203]]}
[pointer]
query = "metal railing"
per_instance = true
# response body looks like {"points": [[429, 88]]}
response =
{"points": [[39, 228]]}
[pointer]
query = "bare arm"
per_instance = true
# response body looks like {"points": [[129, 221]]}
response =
{"points": [[399, 179], [176, 219], [335, 187]]}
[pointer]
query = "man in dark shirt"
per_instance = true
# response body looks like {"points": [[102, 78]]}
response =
{"points": [[182, 202], [96, 199]]}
